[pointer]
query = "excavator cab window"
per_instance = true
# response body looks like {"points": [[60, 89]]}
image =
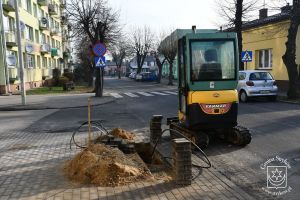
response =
{"points": [[212, 60]]}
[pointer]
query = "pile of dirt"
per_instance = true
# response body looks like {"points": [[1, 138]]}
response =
{"points": [[105, 166], [120, 133]]}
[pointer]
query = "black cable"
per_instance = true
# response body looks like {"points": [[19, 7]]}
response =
{"points": [[96, 124], [207, 161]]}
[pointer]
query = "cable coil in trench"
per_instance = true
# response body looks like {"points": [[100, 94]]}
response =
{"points": [[206, 160], [95, 124]]}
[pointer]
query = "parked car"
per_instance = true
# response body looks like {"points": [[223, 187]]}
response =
{"points": [[139, 77], [132, 75], [146, 76], [254, 83]]}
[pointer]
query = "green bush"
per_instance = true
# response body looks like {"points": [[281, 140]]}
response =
{"points": [[69, 75], [62, 80]]}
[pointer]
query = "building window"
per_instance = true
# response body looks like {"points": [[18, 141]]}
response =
{"points": [[43, 38], [38, 61], [39, 13], [264, 58], [28, 6], [9, 23], [37, 36], [35, 10], [49, 63], [45, 65], [29, 61], [53, 43], [28, 33]]}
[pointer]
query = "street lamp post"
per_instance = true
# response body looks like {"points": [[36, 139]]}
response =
{"points": [[20, 55]]}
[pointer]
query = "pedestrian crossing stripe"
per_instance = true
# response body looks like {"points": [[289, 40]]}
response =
{"points": [[116, 95], [169, 92], [145, 94], [160, 93], [130, 94]]}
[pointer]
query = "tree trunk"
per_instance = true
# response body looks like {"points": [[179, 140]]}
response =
{"points": [[289, 58], [119, 72], [159, 74], [238, 28], [291, 67], [170, 73], [99, 83], [159, 66]]}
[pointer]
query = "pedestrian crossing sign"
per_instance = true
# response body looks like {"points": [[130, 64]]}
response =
{"points": [[246, 56], [100, 61]]}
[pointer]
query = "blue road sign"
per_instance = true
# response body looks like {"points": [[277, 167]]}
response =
{"points": [[100, 61], [246, 56], [99, 49]]}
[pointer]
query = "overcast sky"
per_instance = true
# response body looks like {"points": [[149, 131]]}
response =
{"points": [[166, 14], [170, 14]]}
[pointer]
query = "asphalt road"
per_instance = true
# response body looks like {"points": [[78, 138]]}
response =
{"points": [[275, 127]]}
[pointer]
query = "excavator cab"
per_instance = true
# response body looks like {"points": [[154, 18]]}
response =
{"points": [[208, 67]]}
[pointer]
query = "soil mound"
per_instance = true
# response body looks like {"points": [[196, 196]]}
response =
{"points": [[105, 166], [120, 133]]}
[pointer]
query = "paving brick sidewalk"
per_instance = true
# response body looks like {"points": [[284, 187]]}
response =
{"points": [[31, 168], [40, 102]]}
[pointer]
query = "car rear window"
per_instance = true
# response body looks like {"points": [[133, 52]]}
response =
{"points": [[260, 76]]}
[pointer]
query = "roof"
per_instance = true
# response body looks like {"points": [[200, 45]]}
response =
{"points": [[284, 15]]}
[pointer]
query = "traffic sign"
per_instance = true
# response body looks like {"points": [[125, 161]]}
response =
{"points": [[246, 56], [99, 49], [100, 61]]}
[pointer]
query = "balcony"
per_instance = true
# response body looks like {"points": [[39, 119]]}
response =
{"points": [[9, 5], [43, 2], [54, 31], [10, 38], [44, 25], [55, 52], [52, 9], [45, 48]]}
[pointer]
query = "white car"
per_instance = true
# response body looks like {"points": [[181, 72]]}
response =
{"points": [[139, 77], [254, 83]]}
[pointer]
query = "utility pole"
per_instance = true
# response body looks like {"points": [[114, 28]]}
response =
{"points": [[4, 51], [20, 55]]}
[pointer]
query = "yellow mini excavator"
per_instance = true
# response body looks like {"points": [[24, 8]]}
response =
{"points": [[208, 65]]}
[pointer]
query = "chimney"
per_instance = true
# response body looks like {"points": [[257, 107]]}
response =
{"points": [[286, 9], [194, 29], [263, 13]]}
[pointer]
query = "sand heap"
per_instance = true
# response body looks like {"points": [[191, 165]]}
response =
{"points": [[120, 133], [105, 166]]}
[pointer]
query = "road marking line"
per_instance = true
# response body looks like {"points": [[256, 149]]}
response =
{"points": [[169, 92], [160, 93], [145, 94], [116, 95], [131, 94]]}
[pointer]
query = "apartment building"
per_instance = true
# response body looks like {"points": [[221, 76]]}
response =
{"points": [[45, 46]]}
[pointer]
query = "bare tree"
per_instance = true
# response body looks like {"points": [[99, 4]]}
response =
{"points": [[96, 20], [168, 48], [119, 53], [289, 58], [159, 58], [141, 43], [84, 55], [234, 12]]}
